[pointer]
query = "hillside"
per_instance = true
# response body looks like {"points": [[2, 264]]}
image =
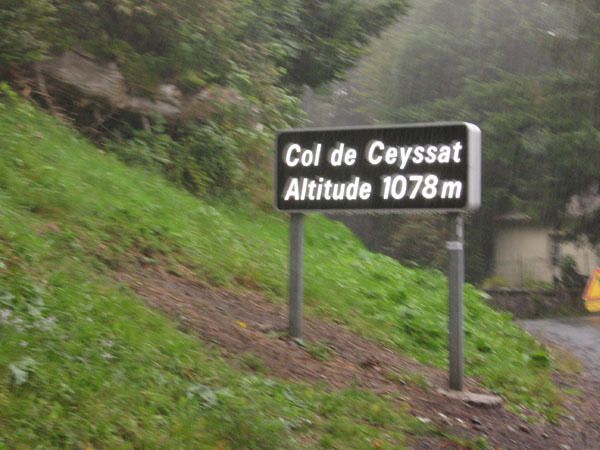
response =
{"points": [[86, 364]]}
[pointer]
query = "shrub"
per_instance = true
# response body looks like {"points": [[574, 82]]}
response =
{"points": [[24, 26]]}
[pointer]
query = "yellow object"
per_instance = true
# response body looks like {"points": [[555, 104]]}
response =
{"points": [[591, 294], [593, 306]]}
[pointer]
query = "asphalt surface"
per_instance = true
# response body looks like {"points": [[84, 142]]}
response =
{"points": [[580, 335]]}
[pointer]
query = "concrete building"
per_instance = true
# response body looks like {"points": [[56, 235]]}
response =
{"points": [[527, 253]]}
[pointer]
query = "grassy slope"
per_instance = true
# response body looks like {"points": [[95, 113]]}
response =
{"points": [[85, 363]]}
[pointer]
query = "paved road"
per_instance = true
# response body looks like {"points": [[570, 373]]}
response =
{"points": [[581, 335]]}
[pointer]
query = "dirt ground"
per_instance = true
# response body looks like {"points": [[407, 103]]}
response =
{"points": [[250, 324]]}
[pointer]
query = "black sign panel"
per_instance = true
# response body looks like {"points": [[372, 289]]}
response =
{"points": [[406, 167]]}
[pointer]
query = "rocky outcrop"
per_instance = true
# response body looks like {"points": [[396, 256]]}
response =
{"points": [[103, 82]]}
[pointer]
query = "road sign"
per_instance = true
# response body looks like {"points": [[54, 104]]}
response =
{"points": [[591, 294], [422, 167], [433, 166]]}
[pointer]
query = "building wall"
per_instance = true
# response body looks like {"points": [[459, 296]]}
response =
{"points": [[523, 254]]}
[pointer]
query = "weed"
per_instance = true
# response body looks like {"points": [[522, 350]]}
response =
{"points": [[565, 362], [253, 362], [319, 350], [413, 379]]}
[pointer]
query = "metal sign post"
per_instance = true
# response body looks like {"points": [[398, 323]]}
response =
{"points": [[456, 276], [396, 168], [296, 275]]}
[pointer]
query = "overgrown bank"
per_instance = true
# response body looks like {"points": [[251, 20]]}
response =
{"points": [[84, 364], [76, 370]]}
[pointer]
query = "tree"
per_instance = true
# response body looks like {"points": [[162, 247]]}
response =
{"points": [[329, 36], [527, 73], [258, 53], [24, 25]]}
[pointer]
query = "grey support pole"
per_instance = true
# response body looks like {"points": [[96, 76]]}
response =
{"points": [[296, 275], [456, 276]]}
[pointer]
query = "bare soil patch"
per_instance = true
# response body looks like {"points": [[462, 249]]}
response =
{"points": [[249, 324]]}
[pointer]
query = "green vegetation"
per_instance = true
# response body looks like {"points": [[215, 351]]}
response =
{"points": [[415, 379], [66, 207], [235, 67], [23, 25], [319, 350], [197, 42], [84, 364], [526, 72]]}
